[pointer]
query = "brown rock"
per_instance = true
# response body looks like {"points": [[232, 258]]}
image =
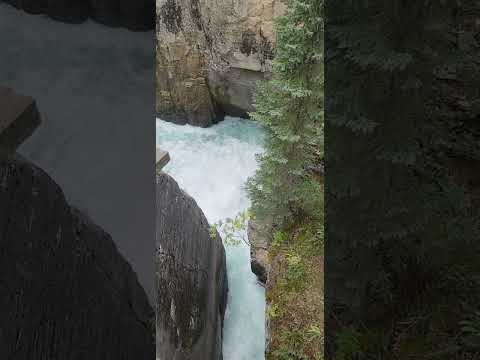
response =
{"points": [[210, 56], [260, 235]]}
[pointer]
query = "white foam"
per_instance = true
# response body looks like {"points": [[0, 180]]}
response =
{"points": [[212, 165]]}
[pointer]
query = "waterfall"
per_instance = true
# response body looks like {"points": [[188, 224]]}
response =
{"points": [[212, 165]]}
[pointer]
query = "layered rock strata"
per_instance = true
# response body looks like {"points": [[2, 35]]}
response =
{"points": [[210, 55]]}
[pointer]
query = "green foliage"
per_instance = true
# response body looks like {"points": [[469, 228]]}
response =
{"points": [[470, 329], [291, 347], [213, 231], [273, 311], [296, 272], [314, 333], [399, 216], [233, 230], [348, 345], [279, 239], [290, 108], [288, 186]]}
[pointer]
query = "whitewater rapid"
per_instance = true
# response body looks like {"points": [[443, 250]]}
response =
{"points": [[212, 165]]}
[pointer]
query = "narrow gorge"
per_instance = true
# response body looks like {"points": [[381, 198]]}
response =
{"points": [[212, 165], [209, 58]]}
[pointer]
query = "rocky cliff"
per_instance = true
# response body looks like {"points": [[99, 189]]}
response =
{"points": [[191, 278], [132, 14], [210, 56], [65, 291], [260, 236]]}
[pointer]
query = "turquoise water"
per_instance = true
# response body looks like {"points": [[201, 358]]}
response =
{"points": [[212, 165]]}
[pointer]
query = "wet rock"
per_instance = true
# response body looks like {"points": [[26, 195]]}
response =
{"points": [[191, 278], [65, 290]]}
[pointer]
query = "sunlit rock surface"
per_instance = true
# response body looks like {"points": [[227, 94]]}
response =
{"points": [[210, 54]]}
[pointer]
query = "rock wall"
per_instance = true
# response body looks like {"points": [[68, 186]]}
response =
{"points": [[191, 278], [65, 291], [210, 56], [132, 14], [260, 236]]}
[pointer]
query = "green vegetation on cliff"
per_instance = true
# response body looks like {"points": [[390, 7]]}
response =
{"points": [[402, 220], [288, 186], [290, 107]]}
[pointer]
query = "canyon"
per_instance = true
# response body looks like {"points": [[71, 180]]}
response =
{"points": [[210, 56]]}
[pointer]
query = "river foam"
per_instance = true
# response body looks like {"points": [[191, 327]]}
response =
{"points": [[212, 165]]}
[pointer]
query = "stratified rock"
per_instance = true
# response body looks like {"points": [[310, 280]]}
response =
{"points": [[210, 55], [191, 278], [260, 236], [65, 291], [183, 96]]}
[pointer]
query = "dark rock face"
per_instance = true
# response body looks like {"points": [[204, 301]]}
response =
{"points": [[65, 291], [191, 278], [132, 14]]}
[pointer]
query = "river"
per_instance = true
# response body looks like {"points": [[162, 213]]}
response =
{"points": [[212, 165]]}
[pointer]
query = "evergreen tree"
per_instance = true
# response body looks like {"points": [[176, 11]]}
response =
{"points": [[399, 221], [290, 108]]}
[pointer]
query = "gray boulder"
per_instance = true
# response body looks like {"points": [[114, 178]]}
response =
{"points": [[191, 278]]}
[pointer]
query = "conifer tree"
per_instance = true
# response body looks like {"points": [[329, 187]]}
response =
{"points": [[290, 108], [398, 221]]}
